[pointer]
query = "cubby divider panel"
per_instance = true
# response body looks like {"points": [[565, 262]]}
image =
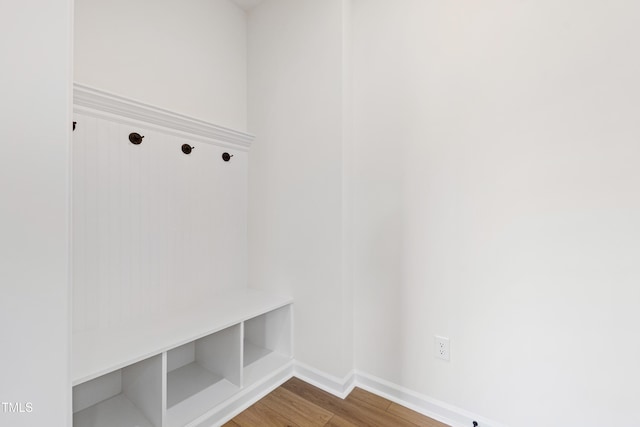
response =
{"points": [[267, 344]]}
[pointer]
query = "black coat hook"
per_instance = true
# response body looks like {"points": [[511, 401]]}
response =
{"points": [[135, 138], [186, 148], [226, 156]]}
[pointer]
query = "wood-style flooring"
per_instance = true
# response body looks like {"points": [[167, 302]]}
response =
{"points": [[298, 404]]}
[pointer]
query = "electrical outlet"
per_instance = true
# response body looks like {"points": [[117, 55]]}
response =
{"points": [[442, 348]]}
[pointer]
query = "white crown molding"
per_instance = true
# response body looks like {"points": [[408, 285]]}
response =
{"points": [[103, 104]]}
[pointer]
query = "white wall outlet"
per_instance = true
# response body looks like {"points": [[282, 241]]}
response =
{"points": [[442, 349]]}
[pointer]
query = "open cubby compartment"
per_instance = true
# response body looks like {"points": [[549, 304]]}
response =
{"points": [[128, 397], [267, 344], [201, 374]]}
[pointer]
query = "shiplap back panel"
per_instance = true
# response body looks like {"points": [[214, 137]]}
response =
{"points": [[154, 230]]}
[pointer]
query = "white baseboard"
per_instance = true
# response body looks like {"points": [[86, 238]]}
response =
{"points": [[433, 408], [438, 410], [341, 387], [334, 385]]}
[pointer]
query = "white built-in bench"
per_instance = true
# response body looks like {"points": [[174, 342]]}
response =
{"points": [[185, 369]]}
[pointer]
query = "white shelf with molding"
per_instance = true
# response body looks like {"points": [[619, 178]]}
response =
{"points": [[99, 103], [179, 370]]}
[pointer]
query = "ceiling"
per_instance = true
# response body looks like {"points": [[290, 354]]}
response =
{"points": [[247, 4]]}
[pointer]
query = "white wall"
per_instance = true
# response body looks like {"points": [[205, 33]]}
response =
{"points": [[497, 203], [34, 233], [295, 51], [188, 57]]}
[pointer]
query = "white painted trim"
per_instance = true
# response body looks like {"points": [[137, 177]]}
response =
{"points": [[329, 383], [341, 387], [102, 104], [433, 408]]}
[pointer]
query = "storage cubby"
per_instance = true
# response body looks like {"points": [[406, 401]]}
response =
{"points": [[184, 370], [267, 344], [201, 374], [128, 397]]}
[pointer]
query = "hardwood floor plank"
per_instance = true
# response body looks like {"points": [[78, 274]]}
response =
{"points": [[369, 398], [312, 394], [413, 416], [361, 414], [298, 404], [336, 421], [260, 415], [297, 409]]}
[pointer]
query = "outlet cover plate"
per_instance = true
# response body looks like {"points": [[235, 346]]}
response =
{"points": [[442, 348]]}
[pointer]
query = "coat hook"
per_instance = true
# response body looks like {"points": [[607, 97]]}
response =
{"points": [[186, 148], [226, 156], [74, 125], [135, 138]]}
